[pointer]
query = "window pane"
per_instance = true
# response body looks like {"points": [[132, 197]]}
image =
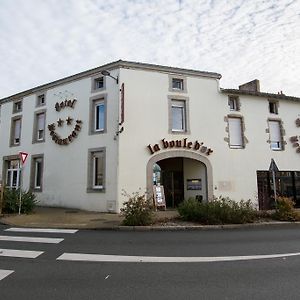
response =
{"points": [[99, 83], [38, 173], [100, 116], [8, 178], [98, 170], [15, 178], [177, 84]]}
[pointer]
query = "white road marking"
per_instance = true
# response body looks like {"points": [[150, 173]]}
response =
{"points": [[30, 239], [153, 259], [41, 230], [20, 253], [5, 273]]}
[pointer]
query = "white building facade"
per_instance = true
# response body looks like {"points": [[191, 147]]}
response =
{"points": [[128, 126]]}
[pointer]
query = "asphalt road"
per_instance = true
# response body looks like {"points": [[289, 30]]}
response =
{"points": [[50, 275]]}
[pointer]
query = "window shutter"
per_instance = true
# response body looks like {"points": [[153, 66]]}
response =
{"points": [[178, 115], [41, 121], [235, 132], [17, 129], [275, 134]]}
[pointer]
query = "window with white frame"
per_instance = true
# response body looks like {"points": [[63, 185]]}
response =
{"points": [[178, 108], [99, 124], [233, 103], [98, 115], [13, 174], [235, 133], [96, 169], [36, 178], [39, 127], [275, 135], [16, 131]]}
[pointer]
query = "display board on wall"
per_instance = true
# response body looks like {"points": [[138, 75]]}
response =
{"points": [[194, 184], [159, 197]]}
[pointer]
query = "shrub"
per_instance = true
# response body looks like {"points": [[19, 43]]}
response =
{"points": [[285, 210], [218, 211], [12, 198], [138, 210]]}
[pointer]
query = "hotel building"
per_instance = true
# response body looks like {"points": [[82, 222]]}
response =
{"points": [[126, 126]]}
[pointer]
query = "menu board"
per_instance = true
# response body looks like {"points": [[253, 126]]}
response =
{"points": [[159, 196]]}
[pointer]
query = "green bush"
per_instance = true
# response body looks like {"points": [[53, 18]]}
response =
{"points": [[138, 210], [12, 198], [285, 210], [218, 211]]}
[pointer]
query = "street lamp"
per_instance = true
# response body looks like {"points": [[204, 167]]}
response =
{"points": [[106, 73]]}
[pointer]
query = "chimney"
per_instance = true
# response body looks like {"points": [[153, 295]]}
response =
{"points": [[251, 86]]}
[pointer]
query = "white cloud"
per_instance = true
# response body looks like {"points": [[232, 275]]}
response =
{"points": [[42, 41]]}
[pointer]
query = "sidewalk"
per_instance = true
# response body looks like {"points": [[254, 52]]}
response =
{"points": [[48, 217]]}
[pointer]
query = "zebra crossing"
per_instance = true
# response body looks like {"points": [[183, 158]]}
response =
{"points": [[8, 236]]}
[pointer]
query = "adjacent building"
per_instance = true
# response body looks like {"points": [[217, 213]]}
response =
{"points": [[126, 126]]}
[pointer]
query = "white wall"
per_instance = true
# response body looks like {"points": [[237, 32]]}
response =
{"points": [[234, 170], [65, 167]]}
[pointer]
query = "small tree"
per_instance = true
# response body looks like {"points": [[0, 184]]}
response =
{"points": [[11, 201]]}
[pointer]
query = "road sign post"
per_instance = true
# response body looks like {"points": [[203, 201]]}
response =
{"points": [[1, 197], [273, 168], [23, 157]]}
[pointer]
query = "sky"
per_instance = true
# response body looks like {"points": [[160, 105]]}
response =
{"points": [[45, 40]]}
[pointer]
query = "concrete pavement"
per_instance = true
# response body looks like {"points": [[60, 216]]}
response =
{"points": [[49, 217], [53, 217]]}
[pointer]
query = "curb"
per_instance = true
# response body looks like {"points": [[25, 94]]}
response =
{"points": [[153, 227], [199, 227]]}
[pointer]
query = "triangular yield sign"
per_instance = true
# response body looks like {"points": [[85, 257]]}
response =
{"points": [[273, 167], [23, 156]]}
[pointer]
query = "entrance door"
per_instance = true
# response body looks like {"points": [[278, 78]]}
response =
{"points": [[173, 185], [172, 180]]}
